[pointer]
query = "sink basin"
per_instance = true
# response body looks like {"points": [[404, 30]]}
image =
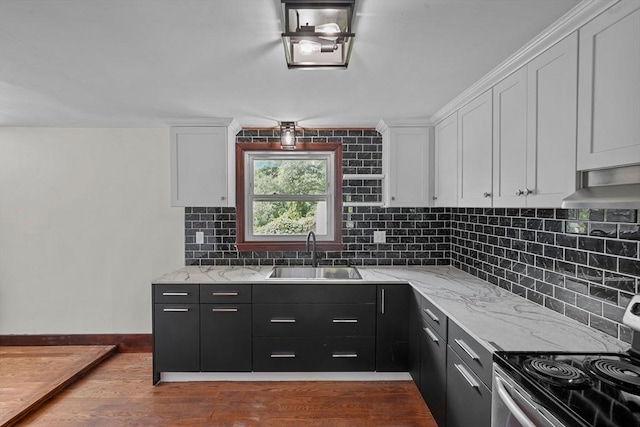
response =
{"points": [[294, 273]]}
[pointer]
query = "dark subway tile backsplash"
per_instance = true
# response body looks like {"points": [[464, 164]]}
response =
{"points": [[590, 271], [582, 263]]}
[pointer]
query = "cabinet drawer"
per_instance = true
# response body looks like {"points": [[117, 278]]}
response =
{"points": [[313, 320], [278, 354], [434, 317], [433, 371], [468, 400], [471, 352], [228, 293], [314, 294], [175, 294]]}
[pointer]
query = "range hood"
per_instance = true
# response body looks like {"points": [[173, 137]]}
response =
{"points": [[616, 188]]}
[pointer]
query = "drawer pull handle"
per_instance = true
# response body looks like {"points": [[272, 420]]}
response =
{"points": [[345, 320], [283, 320], [431, 315], [175, 294], [342, 355], [433, 336], [467, 376], [224, 310], [467, 349], [283, 355], [382, 296], [225, 294], [175, 310]]}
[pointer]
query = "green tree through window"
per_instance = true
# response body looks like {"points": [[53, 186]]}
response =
{"points": [[287, 194]]}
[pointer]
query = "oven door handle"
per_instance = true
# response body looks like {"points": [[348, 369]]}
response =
{"points": [[511, 404]]}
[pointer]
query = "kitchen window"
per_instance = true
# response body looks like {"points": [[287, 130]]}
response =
{"points": [[282, 195]]}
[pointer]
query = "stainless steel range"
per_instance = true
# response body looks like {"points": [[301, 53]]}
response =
{"points": [[569, 389]]}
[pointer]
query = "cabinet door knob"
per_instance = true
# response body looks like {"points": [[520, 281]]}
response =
{"points": [[519, 193], [434, 198], [487, 194], [223, 198], [526, 192], [393, 197]]}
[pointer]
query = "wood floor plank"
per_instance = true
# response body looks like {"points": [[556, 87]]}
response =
{"points": [[29, 375], [119, 392]]}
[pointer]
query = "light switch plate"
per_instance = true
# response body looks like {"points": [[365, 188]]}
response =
{"points": [[380, 237], [199, 237]]}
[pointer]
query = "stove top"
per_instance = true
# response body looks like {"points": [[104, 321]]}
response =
{"points": [[580, 389]]}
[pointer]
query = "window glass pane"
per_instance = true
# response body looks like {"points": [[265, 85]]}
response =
{"points": [[289, 217], [289, 177]]}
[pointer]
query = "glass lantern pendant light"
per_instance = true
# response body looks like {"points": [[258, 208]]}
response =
{"points": [[317, 33], [288, 135]]}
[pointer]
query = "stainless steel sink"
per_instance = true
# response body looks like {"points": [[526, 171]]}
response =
{"points": [[295, 273]]}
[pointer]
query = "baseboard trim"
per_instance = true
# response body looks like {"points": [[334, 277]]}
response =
{"points": [[126, 343]]}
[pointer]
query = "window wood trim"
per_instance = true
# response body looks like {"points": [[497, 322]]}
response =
{"points": [[328, 245]]}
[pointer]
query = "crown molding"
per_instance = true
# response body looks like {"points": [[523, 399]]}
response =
{"points": [[565, 25], [205, 121], [385, 124]]}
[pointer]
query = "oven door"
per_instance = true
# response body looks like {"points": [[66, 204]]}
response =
{"points": [[511, 406]]}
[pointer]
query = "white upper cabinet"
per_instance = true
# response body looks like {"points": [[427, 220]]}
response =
{"points": [[534, 139], [551, 124], [203, 165], [510, 140], [475, 136], [609, 88], [406, 156], [446, 162]]}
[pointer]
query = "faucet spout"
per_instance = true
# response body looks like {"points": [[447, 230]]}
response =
{"points": [[312, 247]]}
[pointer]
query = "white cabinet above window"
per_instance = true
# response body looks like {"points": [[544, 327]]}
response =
{"points": [[203, 163], [406, 156]]}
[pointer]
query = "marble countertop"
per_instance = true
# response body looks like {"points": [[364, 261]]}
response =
{"points": [[498, 319]]}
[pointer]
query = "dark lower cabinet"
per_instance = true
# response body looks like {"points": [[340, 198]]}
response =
{"points": [[225, 337], [392, 332], [313, 354], [433, 371], [413, 357], [468, 399], [176, 338]]}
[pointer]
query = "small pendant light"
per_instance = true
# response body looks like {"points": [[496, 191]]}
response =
{"points": [[288, 135]]}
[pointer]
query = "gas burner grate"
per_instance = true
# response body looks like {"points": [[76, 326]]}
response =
{"points": [[556, 372], [618, 373]]}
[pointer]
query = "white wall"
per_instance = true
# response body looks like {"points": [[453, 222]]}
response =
{"points": [[85, 225]]}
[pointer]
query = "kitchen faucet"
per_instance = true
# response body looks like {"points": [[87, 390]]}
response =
{"points": [[314, 256]]}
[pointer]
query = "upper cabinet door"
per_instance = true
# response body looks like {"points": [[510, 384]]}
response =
{"points": [[609, 88], [510, 140], [551, 147], [474, 152], [446, 162], [200, 171], [406, 154]]}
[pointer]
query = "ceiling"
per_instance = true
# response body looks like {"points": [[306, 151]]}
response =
{"points": [[141, 63]]}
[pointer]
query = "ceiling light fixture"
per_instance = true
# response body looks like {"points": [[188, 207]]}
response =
{"points": [[288, 135], [317, 33]]}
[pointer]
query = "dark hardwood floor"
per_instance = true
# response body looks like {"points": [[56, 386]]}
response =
{"points": [[119, 392], [31, 375]]}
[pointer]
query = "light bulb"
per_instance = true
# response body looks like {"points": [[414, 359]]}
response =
{"points": [[330, 28], [308, 47]]}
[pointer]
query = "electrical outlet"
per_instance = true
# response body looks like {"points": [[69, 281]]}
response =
{"points": [[199, 237], [379, 237]]}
